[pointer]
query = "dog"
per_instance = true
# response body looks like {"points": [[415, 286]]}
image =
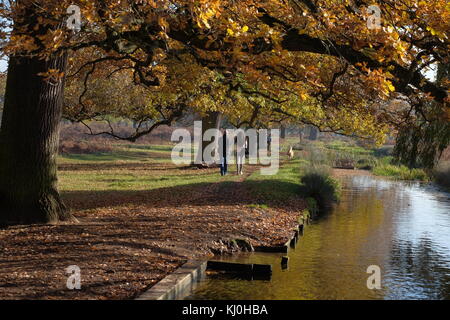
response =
{"points": [[291, 152]]}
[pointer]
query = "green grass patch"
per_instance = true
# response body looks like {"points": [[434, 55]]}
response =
{"points": [[400, 172], [339, 154], [102, 157], [120, 154], [348, 148], [313, 207], [79, 181], [318, 184], [135, 170], [281, 186], [124, 180], [148, 148]]}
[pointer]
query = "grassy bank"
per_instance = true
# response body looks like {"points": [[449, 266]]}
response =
{"points": [[318, 184], [400, 172], [279, 187], [342, 154], [129, 168], [296, 178]]}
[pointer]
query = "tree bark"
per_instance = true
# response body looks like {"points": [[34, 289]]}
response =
{"points": [[29, 138], [283, 132], [212, 120], [301, 134], [313, 133]]}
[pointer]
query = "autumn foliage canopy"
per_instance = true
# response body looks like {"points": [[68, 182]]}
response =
{"points": [[334, 64]]}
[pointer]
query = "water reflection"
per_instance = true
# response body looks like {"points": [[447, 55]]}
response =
{"points": [[402, 227]]}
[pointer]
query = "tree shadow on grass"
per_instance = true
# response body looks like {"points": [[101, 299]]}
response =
{"points": [[114, 166], [275, 193]]}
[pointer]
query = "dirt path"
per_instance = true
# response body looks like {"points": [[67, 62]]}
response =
{"points": [[127, 241]]}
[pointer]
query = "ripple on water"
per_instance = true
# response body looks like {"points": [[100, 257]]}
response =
{"points": [[402, 227]]}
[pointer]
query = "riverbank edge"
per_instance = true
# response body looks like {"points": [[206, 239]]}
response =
{"points": [[184, 279], [175, 284]]}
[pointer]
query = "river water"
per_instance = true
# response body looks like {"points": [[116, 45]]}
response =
{"points": [[402, 227]]}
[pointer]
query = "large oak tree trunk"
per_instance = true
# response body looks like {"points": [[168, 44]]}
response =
{"points": [[29, 137]]}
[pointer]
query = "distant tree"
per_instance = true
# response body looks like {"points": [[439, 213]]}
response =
{"points": [[313, 133], [423, 138]]}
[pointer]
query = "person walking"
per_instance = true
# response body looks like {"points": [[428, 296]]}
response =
{"points": [[241, 147], [223, 154]]}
